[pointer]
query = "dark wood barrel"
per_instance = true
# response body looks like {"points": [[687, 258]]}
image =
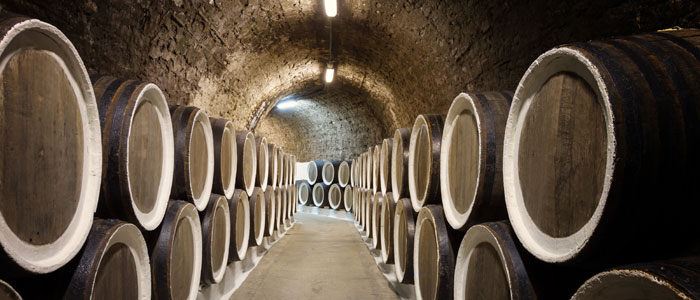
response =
{"points": [[609, 128], [270, 209], [335, 197], [137, 150], [194, 155], [257, 217], [344, 173], [385, 166], [399, 163], [404, 231], [247, 161], [471, 176], [672, 279], [273, 168], [433, 256], [239, 211], [376, 215], [225, 157], [386, 228], [314, 171], [347, 197], [50, 149], [7, 292], [216, 238], [305, 193], [424, 160], [176, 254], [319, 194], [263, 162]]}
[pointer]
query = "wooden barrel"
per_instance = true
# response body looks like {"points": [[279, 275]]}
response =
{"points": [[270, 209], [137, 150], [424, 160], [361, 209], [673, 279], [7, 292], [353, 172], [328, 171], [257, 217], [247, 161], [609, 127], [377, 201], [386, 228], [368, 165], [335, 197], [399, 163], [343, 173], [225, 157], [305, 193], [319, 194], [279, 214], [375, 168], [471, 181], [273, 168], [176, 254], [239, 210], [216, 238], [404, 230], [361, 170], [280, 167], [385, 166], [263, 162], [284, 168], [293, 169], [290, 201], [347, 198], [194, 156], [50, 148], [369, 201], [433, 257]]}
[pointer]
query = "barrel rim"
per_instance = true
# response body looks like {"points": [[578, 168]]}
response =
{"points": [[228, 192], [406, 214], [219, 271], [384, 165], [420, 122], [201, 201], [344, 180], [346, 190], [327, 164], [249, 143], [331, 189], [187, 212], [593, 284], [261, 147], [258, 196], [387, 250], [129, 235], [377, 201]]}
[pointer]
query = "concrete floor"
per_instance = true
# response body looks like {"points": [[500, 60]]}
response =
{"points": [[320, 258]]}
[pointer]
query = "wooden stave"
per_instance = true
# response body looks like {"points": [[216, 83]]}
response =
{"points": [[377, 201], [245, 138], [255, 238], [387, 228], [405, 134], [234, 254], [446, 257], [385, 176], [218, 126], [263, 162], [404, 206], [209, 275], [435, 124]]}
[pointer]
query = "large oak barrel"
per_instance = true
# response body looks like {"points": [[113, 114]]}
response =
{"points": [[433, 256], [137, 150], [385, 166], [239, 211], [673, 279], [247, 161], [305, 193], [386, 228], [7, 292], [399, 163], [194, 155], [176, 254], [50, 148], [319, 194], [257, 217], [335, 197], [263, 162], [344, 173], [273, 168], [424, 160], [347, 197], [270, 209], [329, 171], [471, 177], [377, 201], [225, 157], [404, 230], [377, 153], [597, 134], [216, 238]]}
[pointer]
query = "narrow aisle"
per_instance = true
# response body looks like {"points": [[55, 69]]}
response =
{"points": [[320, 258]]}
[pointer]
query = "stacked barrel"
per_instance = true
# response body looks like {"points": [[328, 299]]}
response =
{"points": [[328, 184], [106, 192], [585, 171]]}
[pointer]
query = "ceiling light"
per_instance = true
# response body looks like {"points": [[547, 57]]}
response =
{"points": [[329, 75], [331, 8], [286, 104]]}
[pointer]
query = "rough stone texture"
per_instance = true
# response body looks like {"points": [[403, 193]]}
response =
{"points": [[236, 59]]}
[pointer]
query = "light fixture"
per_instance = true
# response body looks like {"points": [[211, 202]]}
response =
{"points": [[329, 75], [286, 104], [331, 7]]}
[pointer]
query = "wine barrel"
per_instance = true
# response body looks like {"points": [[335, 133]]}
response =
{"points": [[194, 155], [433, 257], [248, 163], [328, 171], [319, 194], [471, 181], [225, 157], [216, 238], [399, 163], [7, 292], [335, 197], [290, 201], [137, 150], [279, 214], [404, 230], [673, 279], [347, 198], [280, 167], [294, 170], [273, 168], [270, 209], [343, 173], [369, 204], [385, 166], [50, 148], [375, 168], [361, 209], [377, 201], [609, 128], [176, 255], [305, 193], [284, 169], [386, 228], [361, 170], [263, 161], [239, 210], [353, 171], [257, 217], [369, 171], [424, 160]]}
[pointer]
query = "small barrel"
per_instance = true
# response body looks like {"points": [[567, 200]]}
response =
{"points": [[225, 157], [239, 210], [385, 166], [263, 162], [335, 197], [194, 156], [257, 217], [404, 230], [377, 201], [7, 292], [305, 193], [347, 198], [399, 163], [424, 160], [248, 163], [137, 150], [471, 181], [270, 209], [386, 228], [433, 257], [50, 148], [216, 238], [320, 194], [273, 167], [176, 254], [344, 173]]}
